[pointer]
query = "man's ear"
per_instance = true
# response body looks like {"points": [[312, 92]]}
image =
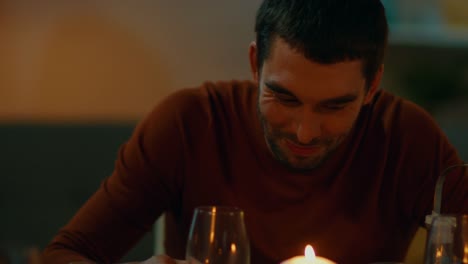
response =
{"points": [[374, 87], [253, 61]]}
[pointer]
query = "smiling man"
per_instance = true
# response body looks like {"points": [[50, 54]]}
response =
{"points": [[312, 150], [306, 108]]}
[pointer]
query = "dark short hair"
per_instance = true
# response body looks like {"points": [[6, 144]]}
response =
{"points": [[325, 31]]}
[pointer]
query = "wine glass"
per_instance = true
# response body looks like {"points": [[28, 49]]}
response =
{"points": [[447, 242], [218, 236]]}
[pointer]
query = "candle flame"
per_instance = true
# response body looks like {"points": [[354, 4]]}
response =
{"points": [[309, 253]]}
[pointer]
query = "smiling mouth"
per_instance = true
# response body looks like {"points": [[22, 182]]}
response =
{"points": [[302, 150]]}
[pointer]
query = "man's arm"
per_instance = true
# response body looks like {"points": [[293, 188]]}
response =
{"points": [[455, 191], [426, 153], [146, 181]]}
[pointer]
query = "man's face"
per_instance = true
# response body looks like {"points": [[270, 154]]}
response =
{"points": [[307, 109]]}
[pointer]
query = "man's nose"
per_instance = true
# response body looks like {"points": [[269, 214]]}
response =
{"points": [[308, 127]]}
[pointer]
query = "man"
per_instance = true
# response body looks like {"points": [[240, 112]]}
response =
{"points": [[312, 151]]}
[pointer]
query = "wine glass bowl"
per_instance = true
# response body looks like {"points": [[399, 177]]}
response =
{"points": [[218, 236]]}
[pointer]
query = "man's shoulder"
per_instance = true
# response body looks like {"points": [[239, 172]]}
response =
{"points": [[213, 91], [404, 118], [233, 90], [202, 102]]}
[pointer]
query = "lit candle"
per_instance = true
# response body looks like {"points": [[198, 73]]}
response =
{"points": [[308, 258]]}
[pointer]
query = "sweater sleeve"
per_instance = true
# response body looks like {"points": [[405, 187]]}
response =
{"points": [[146, 181]]}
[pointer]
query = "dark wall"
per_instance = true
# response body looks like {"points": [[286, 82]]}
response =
{"points": [[47, 172]]}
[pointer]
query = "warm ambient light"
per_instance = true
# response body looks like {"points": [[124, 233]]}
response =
{"points": [[212, 225], [233, 248]]}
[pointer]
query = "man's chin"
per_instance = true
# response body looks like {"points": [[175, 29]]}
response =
{"points": [[303, 164]]}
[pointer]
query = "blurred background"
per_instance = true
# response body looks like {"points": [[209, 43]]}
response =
{"points": [[76, 76]]}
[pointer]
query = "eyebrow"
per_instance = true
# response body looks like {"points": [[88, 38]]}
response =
{"points": [[275, 87], [343, 99]]}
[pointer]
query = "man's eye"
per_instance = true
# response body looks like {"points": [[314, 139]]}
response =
{"points": [[334, 107], [287, 100]]}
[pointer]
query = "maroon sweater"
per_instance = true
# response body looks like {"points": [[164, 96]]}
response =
{"points": [[205, 146]]}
